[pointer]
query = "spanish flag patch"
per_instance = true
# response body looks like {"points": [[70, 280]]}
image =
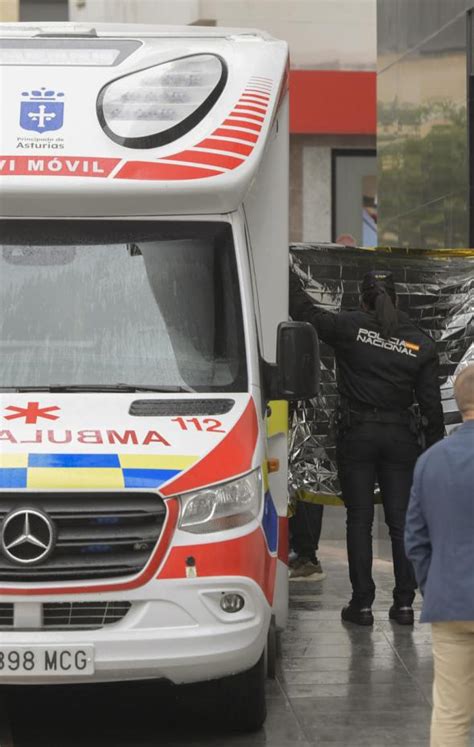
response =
{"points": [[411, 346]]}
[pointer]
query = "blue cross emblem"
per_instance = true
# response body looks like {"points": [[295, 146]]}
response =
{"points": [[41, 111]]}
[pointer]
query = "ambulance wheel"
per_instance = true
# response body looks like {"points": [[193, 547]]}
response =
{"points": [[243, 698]]}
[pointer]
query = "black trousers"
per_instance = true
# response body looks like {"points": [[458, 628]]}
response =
{"points": [[385, 453], [305, 529]]}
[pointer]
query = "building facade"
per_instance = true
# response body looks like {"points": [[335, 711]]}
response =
{"points": [[424, 118]]}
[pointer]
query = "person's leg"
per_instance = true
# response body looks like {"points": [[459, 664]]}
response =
{"points": [[453, 689], [356, 470], [305, 529], [395, 476]]}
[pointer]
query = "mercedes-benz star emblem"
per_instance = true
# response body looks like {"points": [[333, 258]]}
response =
{"points": [[27, 536]]}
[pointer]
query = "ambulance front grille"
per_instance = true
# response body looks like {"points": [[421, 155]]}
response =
{"points": [[98, 535], [6, 615], [83, 615], [71, 615]]}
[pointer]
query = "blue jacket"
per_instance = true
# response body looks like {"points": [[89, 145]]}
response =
{"points": [[439, 532]]}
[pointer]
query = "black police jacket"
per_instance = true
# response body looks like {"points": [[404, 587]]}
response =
{"points": [[388, 374]]}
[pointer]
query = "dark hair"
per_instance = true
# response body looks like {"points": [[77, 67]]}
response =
{"points": [[383, 301]]}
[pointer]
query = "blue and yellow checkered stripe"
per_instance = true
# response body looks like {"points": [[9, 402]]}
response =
{"points": [[92, 471]]}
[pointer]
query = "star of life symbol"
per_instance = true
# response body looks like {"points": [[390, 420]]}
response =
{"points": [[27, 536], [41, 111], [32, 412]]}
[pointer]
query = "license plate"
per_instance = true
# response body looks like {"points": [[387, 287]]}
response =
{"points": [[34, 661]]}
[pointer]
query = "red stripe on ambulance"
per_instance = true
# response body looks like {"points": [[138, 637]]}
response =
{"points": [[231, 457], [163, 171], [238, 134], [227, 145], [56, 166], [209, 159], [242, 123], [246, 556]]}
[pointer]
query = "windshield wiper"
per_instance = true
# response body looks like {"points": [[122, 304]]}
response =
{"points": [[59, 388]]}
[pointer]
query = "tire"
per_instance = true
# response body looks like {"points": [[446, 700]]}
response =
{"points": [[271, 651], [242, 698]]}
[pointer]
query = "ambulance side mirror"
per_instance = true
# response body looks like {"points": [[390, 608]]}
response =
{"points": [[297, 370]]}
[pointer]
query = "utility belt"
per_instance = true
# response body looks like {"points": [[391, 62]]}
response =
{"points": [[350, 414], [366, 414]]}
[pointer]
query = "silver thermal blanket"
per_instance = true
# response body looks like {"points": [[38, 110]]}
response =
{"points": [[436, 288]]}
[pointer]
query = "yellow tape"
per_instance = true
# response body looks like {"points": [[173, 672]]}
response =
{"points": [[324, 499], [441, 253]]}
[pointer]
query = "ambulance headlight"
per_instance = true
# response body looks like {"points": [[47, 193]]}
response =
{"points": [[224, 506], [155, 106]]}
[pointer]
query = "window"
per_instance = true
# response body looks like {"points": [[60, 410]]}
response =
{"points": [[102, 303], [354, 175]]}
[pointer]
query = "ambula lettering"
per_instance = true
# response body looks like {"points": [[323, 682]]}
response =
{"points": [[92, 436]]}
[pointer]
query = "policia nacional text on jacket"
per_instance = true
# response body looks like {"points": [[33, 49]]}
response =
{"points": [[384, 363]]}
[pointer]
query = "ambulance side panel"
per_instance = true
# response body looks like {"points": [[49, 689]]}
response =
{"points": [[266, 209]]}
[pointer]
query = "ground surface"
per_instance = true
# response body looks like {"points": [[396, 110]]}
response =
{"points": [[337, 686]]}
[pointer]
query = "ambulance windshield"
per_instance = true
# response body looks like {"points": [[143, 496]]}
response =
{"points": [[98, 303]]}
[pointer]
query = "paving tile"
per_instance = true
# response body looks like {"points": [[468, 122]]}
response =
{"points": [[354, 662]]}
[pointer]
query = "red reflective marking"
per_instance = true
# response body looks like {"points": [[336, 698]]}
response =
{"points": [[241, 123], [254, 100], [283, 541], [232, 456], [237, 134], [229, 145], [210, 159], [247, 115], [246, 556], [163, 171], [257, 94], [172, 511], [250, 107]]}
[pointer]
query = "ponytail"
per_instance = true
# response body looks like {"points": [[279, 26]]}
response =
{"points": [[382, 302]]}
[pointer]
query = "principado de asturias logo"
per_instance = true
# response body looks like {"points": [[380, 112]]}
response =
{"points": [[42, 110]]}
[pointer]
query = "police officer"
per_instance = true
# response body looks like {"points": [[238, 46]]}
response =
{"points": [[384, 363]]}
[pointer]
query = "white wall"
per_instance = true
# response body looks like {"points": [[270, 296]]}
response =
{"points": [[321, 33], [332, 34], [8, 11], [173, 12]]}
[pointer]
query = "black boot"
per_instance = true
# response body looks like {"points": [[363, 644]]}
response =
{"points": [[402, 615], [356, 615]]}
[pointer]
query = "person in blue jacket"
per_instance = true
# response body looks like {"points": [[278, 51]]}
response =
{"points": [[439, 541]]}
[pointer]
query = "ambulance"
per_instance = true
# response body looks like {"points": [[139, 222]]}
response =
{"points": [[146, 358]]}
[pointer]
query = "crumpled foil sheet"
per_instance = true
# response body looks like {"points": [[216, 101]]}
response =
{"points": [[436, 288]]}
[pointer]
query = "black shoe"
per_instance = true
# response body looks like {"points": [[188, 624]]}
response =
{"points": [[358, 616], [402, 615]]}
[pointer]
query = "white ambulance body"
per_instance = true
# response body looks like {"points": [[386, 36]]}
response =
{"points": [[143, 278]]}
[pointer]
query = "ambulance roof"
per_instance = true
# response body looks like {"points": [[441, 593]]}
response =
{"points": [[125, 30], [116, 120]]}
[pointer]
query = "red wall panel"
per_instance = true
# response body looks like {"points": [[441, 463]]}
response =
{"points": [[337, 102]]}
